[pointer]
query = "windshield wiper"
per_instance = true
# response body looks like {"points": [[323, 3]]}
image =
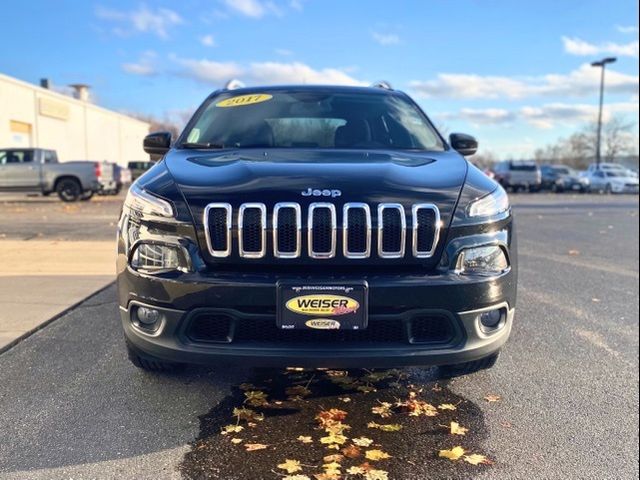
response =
{"points": [[197, 145]]}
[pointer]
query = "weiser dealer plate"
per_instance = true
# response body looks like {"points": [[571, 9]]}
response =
{"points": [[322, 307]]}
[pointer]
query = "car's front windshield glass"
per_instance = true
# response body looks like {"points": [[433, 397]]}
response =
{"points": [[562, 170], [312, 119]]}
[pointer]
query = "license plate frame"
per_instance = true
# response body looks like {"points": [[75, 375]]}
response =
{"points": [[322, 306]]}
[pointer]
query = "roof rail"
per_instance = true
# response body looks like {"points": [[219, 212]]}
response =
{"points": [[234, 84], [382, 84]]}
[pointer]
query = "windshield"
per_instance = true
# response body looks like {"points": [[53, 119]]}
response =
{"points": [[307, 119], [562, 170]]}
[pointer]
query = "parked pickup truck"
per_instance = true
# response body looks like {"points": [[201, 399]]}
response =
{"points": [[38, 170]]}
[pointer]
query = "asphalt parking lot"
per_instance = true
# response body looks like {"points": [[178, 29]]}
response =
{"points": [[73, 407]]}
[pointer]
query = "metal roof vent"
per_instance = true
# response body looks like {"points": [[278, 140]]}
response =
{"points": [[80, 91], [382, 84], [234, 84]]}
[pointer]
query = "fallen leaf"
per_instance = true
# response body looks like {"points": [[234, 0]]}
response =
{"points": [[247, 414], [333, 438], [376, 455], [290, 466], [376, 475], [344, 399], [456, 429], [304, 439], [250, 447], [454, 454], [366, 388], [296, 477], [256, 398], [356, 471], [327, 476], [337, 428], [392, 427], [351, 451], [384, 409], [330, 417], [298, 391], [332, 468], [477, 459], [574, 253], [362, 441], [336, 457], [493, 398], [232, 429], [236, 441], [447, 406]]}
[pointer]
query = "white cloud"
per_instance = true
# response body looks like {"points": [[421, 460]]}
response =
{"points": [[262, 73], [385, 39], [144, 20], [253, 8], [542, 117], [208, 40], [627, 29], [145, 66], [581, 82], [576, 46]]}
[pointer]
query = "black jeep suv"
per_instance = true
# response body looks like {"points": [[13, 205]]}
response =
{"points": [[315, 227]]}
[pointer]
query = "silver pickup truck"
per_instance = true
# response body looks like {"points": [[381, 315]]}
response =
{"points": [[38, 170]]}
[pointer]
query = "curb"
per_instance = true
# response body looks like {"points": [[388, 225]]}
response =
{"points": [[37, 328]]}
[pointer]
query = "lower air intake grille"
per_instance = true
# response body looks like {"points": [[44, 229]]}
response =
{"points": [[431, 329]]}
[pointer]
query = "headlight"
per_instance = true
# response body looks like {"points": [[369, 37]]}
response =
{"points": [[490, 205], [153, 257], [486, 260], [141, 201]]}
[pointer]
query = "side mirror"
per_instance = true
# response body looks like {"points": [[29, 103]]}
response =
{"points": [[157, 143], [464, 144]]}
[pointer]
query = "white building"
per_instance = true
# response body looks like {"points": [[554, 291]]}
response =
{"points": [[32, 116]]}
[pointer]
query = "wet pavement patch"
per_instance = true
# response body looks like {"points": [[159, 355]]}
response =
{"points": [[330, 425]]}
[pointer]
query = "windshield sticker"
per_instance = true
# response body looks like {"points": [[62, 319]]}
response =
{"points": [[242, 100]]}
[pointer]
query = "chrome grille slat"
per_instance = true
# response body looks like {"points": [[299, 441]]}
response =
{"points": [[226, 207], [296, 252], [242, 212], [382, 253], [312, 230], [321, 228], [346, 251], [415, 214]]}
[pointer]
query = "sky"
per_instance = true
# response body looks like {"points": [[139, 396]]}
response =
{"points": [[514, 74]]}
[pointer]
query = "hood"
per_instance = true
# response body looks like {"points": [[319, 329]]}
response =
{"points": [[282, 175]]}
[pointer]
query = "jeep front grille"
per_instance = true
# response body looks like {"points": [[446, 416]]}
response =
{"points": [[321, 230]]}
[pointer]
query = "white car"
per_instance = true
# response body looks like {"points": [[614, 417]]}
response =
{"points": [[612, 180]]}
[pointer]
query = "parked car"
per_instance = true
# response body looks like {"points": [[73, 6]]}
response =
{"points": [[109, 179], [560, 178], [38, 170], [518, 175], [138, 168], [319, 227], [605, 166], [612, 181]]}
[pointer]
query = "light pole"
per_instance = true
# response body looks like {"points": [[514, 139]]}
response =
{"points": [[602, 63]]}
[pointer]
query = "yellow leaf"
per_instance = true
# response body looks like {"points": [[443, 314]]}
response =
{"points": [[256, 398], [376, 455], [384, 410], [493, 398], [304, 439], [344, 399], [332, 468], [337, 428], [356, 471], [392, 427], [333, 438], [250, 447], [236, 441], [477, 459], [291, 466], [376, 475], [362, 441], [446, 406], [454, 454], [247, 414], [295, 477], [327, 476], [232, 429], [330, 417], [456, 429]]}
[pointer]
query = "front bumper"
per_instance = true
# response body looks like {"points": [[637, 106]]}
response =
{"points": [[246, 297]]}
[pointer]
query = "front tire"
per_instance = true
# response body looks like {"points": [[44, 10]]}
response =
{"points": [[150, 363], [467, 368], [68, 190]]}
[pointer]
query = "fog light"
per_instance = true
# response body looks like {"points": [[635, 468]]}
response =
{"points": [[492, 320], [487, 260], [156, 257], [147, 316]]}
